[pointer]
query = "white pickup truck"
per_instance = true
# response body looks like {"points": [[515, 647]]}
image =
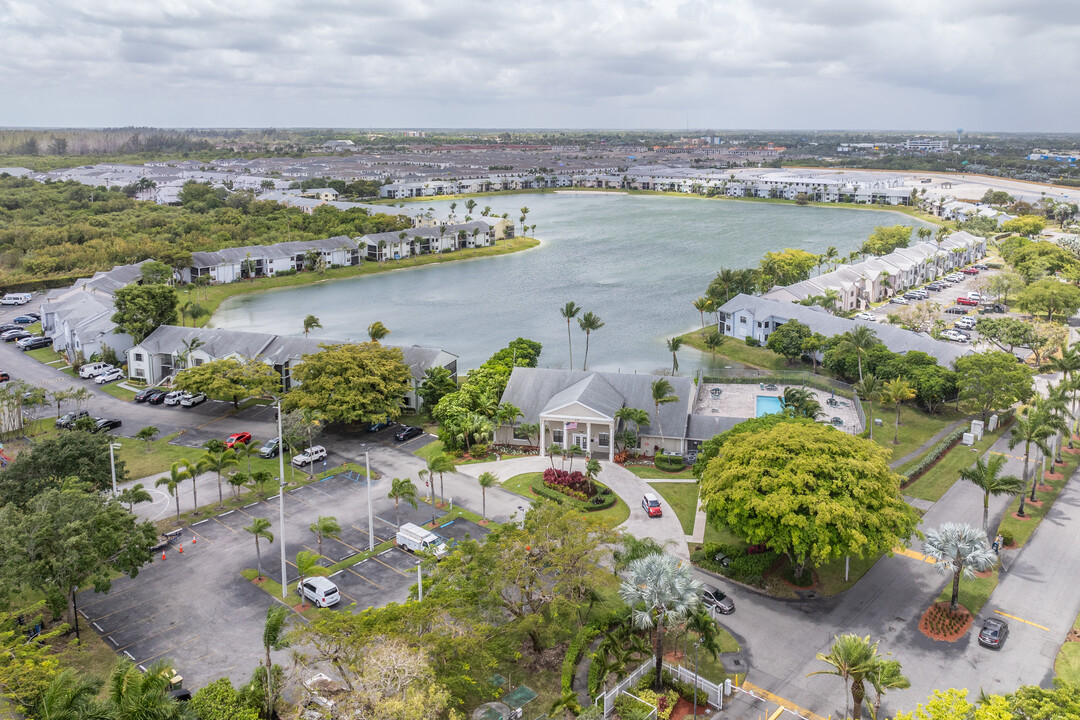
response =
{"points": [[416, 539]]}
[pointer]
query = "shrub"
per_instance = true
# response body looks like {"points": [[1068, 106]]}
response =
{"points": [[1007, 537], [284, 273], [685, 690], [580, 641], [744, 567], [752, 341], [479, 451], [622, 456], [669, 463]]}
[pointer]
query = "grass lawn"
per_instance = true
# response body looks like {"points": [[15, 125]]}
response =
{"points": [[91, 656], [916, 427], [941, 477], [974, 592], [647, 472], [1022, 530], [430, 450], [710, 668], [44, 355], [1067, 665], [520, 483], [831, 575], [682, 498], [739, 351], [612, 517], [212, 297], [117, 391], [723, 536]]}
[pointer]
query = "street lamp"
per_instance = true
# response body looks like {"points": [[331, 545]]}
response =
{"points": [[112, 464], [281, 501], [696, 646]]}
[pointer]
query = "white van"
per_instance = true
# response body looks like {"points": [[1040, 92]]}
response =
{"points": [[93, 369], [319, 590], [975, 296], [415, 539], [16, 299]]}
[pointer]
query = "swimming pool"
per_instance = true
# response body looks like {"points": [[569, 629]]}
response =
{"points": [[767, 404]]}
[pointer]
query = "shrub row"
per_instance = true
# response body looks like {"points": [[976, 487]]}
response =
{"points": [[684, 690], [604, 495], [669, 463], [580, 641], [744, 567], [947, 443]]}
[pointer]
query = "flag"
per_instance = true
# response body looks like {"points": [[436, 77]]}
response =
{"points": [[571, 426]]}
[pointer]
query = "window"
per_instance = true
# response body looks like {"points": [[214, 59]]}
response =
{"points": [[138, 357], [603, 440], [759, 324], [519, 434], [557, 436], [742, 319], [139, 372]]}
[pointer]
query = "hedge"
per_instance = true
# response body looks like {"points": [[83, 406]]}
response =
{"points": [[577, 646], [609, 497], [936, 453], [669, 463], [744, 567]]}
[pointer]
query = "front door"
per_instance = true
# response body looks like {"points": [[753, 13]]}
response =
{"points": [[582, 441]]}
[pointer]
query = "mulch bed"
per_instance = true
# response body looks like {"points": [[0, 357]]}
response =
{"points": [[1041, 487], [684, 708], [1073, 636], [259, 580], [1022, 518], [939, 623], [1053, 476]]}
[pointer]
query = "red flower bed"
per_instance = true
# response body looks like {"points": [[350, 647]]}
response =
{"points": [[573, 484]]}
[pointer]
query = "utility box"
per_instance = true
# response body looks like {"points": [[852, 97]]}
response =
{"points": [[993, 424], [977, 429], [969, 439]]}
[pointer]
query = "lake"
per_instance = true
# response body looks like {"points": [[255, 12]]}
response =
{"points": [[636, 261]]}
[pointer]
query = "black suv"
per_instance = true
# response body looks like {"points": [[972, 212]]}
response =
{"points": [[68, 420]]}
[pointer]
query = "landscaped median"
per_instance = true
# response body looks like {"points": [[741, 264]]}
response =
{"points": [[1019, 530], [931, 475], [531, 485]]}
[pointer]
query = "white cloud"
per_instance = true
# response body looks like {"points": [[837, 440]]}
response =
{"points": [[905, 64]]}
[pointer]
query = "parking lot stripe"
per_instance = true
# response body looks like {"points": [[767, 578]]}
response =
{"points": [[1026, 622], [201, 536], [378, 540], [134, 622], [224, 525], [365, 578], [908, 552], [148, 637], [390, 566], [104, 597], [175, 647]]}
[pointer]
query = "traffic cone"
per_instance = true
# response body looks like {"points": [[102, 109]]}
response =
{"points": [[180, 548], [162, 554], [193, 539]]}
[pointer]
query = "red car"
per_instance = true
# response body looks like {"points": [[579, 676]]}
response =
{"points": [[651, 505], [240, 437], [966, 301], [970, 271]]}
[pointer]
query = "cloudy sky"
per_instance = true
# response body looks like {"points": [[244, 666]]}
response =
{"points": [[1006, 65]]}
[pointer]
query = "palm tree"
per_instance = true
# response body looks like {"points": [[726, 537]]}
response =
{"points": [[959, 549], [553, 450], [831, 255], [59, 396], [852, 658], [70, 696], [588, 322], [310, 323], [260, 528], [237, 481], [134, 495], [486, 480], [179, 471], [703, 305], [987, 477], [714, 340], [570, 311], [673, 346], [325, 526], [529, 430], [377, 331], [884, 676], [662, 394], [307, 565], [869, 389], [896, 392], [274, 638], [572, 452], [800, 403], [245, 451], [218, 462], [401, 490], [859, 340], [660, 591], [132, 694], [1030, 428], [439, 463], [592, 469]]}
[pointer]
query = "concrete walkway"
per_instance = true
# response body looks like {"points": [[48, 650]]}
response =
{"points": [[628, 486], [929, 443]]}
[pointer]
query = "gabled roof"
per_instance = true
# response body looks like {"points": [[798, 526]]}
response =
{"points": [[593, 392]]}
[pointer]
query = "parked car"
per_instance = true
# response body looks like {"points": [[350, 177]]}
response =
{"points": [[965, 323], [192, 399], [240, 438], [157, 397], [981, 266], [102, 424], [967, 301], [13, 335], [970, 271], [270, 448], [94, 369], [993, 633], [870, 317], [713, 597], [956, 310], [145, 393], [975, 296], [954, 277], [67, 420], [319, 590], [911, 295], [4, 377], [899, 301], [34, 343], [109, 375], [651, 504], [9, 326], [955, 336], [311, 455], [377, 426], [24, 320], [935, 287], [173, 397], [408, 432]]}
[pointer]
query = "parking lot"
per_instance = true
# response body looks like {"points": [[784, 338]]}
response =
{"points": [[195, 608]]}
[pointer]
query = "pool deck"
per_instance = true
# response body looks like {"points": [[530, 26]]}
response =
{"points": [[740, 400]]}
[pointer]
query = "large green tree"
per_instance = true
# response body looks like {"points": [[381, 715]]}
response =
{"points": [[809, 491], [1049, 296], [352, 383], [788, 339], [230, 379], [993, 380], [76, 453], [785, 267], [71, 536], [142, 309], [437, 383], [886, 239]]}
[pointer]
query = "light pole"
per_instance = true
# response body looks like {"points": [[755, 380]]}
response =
{"points": [[696, 646], [370, 514], [112, 464], [281, 501]]}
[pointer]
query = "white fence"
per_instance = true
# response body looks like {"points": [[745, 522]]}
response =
{"points": [[715, 692]]}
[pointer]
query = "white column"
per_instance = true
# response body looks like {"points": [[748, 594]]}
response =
{"points": [[542, 423], [588, 437]]}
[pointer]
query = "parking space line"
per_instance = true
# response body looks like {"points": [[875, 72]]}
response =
{"points": [[224, 525], [785, 704], [211, 422], [378, 540], [376, 559], [105, 597], [1014, 457], [362, 577], [102, 617], [130, 624], [149, 637], [175, 647], [293, 497], [1026, 622], [203, 537]]}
